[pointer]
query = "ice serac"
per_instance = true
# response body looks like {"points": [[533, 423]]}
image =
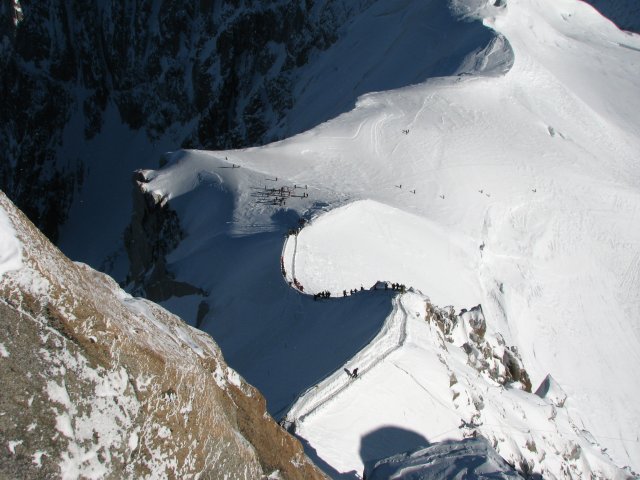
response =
{"points": [[97, 383]]}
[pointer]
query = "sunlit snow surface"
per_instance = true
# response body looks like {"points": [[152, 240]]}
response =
{"points": [[518, 191]]}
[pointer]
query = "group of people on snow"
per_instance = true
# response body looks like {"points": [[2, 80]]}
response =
{"points": [[325, 294], [352, 291], [353, 374], [297, 284], [398, 287]]}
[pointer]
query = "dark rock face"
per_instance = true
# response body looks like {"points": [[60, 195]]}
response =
{"points": [[153, 232], [99, 384], [210, 74], [32, 117]]}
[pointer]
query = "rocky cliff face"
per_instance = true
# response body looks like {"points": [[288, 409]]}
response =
{"points": [[99, 384], [153, 232]]}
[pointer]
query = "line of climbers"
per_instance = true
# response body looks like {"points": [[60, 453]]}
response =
{"points": [[297, 284], [325, 294], [399, 287], [353, 291]]}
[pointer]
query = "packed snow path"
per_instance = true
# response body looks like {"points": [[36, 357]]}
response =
{"points": [[391, 336]]}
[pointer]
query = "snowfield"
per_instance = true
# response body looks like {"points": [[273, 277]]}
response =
{"points": [[514, 184]]}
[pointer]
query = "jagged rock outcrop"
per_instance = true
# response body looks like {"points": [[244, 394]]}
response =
{"points": [[99, 384], [491, 356]]}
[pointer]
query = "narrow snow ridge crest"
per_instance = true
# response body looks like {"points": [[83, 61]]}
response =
{"points": [[392, 336]]}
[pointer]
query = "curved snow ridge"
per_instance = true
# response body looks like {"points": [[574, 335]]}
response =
{"points": [[365, 241], [392, 336]]}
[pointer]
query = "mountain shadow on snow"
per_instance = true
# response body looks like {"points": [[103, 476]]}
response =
{"points": [[471, 458], [389, 440]]}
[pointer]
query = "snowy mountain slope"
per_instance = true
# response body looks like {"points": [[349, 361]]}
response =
{"points": [[272, 331], [376, 52], [514, 190], [434, 387], [95, 91]]}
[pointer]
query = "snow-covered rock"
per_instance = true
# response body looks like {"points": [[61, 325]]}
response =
{"points": [[98, 384]]}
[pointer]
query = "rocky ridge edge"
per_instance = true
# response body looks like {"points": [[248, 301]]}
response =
{"points": [[98, 383]]}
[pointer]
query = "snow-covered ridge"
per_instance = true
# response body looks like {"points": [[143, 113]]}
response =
{"points": [[516, 191]]}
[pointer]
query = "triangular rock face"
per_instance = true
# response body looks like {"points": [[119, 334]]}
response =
{"points": [[96, 383]]}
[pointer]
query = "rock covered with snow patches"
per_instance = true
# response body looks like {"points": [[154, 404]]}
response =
{"points": [[487, 354], [97, 383]]}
